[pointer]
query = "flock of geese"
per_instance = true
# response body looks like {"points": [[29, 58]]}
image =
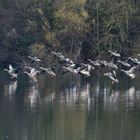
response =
{"points": [[116, 64]]}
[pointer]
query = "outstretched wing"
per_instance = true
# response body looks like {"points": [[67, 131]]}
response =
{"points": [[32, 71], [132, 70], [115, 53], [10, 67]]}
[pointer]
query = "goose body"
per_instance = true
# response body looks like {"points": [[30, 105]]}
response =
{"points": [[134, 60], [48, 70], [32, 74], [102, 63], [95, 63], [115, 54], [66, 61], [124, 63], [62, 59], [70, 69], [57, 54], [112, 76], [34, 59], [112, 65], [86, 70]]}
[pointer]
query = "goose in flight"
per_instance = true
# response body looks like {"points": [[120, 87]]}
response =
{"points": [[130, 72], [62, 59], [94, 63], [115, 54], [12, 72], [32, 74], [124, 63], [85, 69], [108, 64], [112, 65], [135, 61], [102, 63], [48, 70], [112, 76], [65, 61], [57, 54], [71, 68], [34, 59]]}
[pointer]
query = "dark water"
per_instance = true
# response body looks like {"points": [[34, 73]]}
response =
{"points": [[69, 108]]}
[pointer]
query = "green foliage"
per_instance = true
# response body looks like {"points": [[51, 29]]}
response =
{"points": [[70, 25], [116, 21], [78, 28]]}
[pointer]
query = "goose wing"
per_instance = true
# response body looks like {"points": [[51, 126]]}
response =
{"points": [[111, 76], [95, 63], [11, 68], [132, 70], [115, 53], [50, 71], [70, 69], [32, 70]]}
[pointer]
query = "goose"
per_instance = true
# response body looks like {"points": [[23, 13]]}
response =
{"points": [[112, 65], [57, 54], [112, 76], [135, 61], [70, 69], [32, 74], [108, 64], [115, 54], [95, 63], [124, 63], [48, 70], [102, 63], [86, 69], [74, 68], [34, 59], [65, 61], [28, 67], [12, 72], [130, 72]]}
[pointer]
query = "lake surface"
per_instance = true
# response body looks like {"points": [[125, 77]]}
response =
{"points": [[69, 107]]}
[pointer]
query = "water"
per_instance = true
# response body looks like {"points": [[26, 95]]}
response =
{"points": [[69, 107]]}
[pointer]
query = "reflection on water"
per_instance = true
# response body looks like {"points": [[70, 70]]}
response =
{"points": [[32, 96], [76, 94], [69, 108], [10, 90], [130, 97]]}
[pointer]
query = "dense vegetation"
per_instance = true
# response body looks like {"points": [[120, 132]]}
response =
{"points": [[80, 29]]}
